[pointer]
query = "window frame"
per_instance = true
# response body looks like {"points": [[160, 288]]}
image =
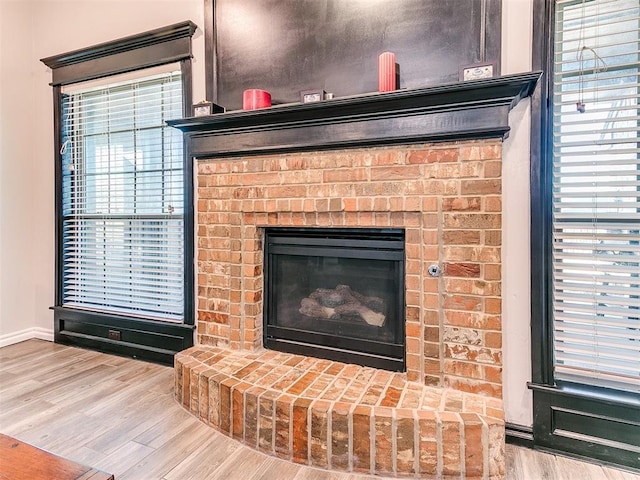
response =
{"points": [[567, 417], [149, 339], [93, 217]]}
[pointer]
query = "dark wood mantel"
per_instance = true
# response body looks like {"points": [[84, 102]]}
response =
{"points": [[468, 110]]}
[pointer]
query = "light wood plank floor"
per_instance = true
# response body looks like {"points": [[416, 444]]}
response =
{"points": [[118, 415]]}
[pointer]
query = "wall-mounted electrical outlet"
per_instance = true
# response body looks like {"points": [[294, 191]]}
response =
{"points": [[115, 335]]}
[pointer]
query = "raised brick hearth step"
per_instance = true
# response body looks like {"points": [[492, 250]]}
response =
{"points": [[342, 417]]}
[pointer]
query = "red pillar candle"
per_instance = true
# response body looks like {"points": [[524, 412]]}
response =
{"points": [[387, 72], [255, 98]]}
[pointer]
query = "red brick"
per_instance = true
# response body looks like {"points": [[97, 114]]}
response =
{"points": [[319, 431], [467, 336], [473, 353], [492, 169], [388, 157], [204, 394], [431, 350], [463, 302], [340, 436], [335, 204], [480, 152], [405, 445], [383, 441], [194, 388], [362, 439], [489, 254], [493, 204], [300, 430], [461, 237], [178, 381], [461, 269], [266, 421], [186, 385], [282, 424], [493, 237], [428, 447], [493, 305], [496, 450], [461, 204], [251, 416], [480, 387], [238, 410], [472, 221], [431, 333], [433, 155], [345, 175], [451, 445], [395, 173], [226, 403], [391, 396], [492, 374], [214, 399], [463, 369], [493, 339], [492, 272]]}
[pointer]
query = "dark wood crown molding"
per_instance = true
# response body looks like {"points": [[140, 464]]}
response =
{"points": [[154, 47], [467, 110], [151, 37]]}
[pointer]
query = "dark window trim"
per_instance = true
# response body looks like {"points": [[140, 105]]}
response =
{"points": [[156, 341], [542, 360], [567, 418], [148, 49]]}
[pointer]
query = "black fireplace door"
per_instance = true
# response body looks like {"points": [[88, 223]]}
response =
{"points": [[336, 294]]}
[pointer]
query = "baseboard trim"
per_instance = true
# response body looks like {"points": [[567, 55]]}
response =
{"points": [[585, 458], [26, 334], [519, 435]]}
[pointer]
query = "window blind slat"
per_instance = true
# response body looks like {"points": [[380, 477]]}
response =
{"points": [[596, 193], [123, 229]]}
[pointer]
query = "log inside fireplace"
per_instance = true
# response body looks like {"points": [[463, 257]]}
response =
{"points": [[336, 293]]}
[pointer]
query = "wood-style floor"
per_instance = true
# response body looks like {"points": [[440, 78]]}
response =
{"points": [[118, 415]]}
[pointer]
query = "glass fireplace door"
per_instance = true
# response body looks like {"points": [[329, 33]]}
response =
{"points": [[336, 293]]}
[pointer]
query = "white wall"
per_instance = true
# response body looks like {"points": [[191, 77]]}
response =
{"points": [[20, 247], [517, 31], [30, 30], [34, 29]]}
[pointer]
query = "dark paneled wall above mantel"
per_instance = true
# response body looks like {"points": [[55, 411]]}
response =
{"points": [[286, 46], [466, 110]]}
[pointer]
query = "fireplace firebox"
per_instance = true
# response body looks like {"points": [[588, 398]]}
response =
{"points": [[336, 294]]}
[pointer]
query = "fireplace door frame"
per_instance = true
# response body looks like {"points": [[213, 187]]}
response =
{"points": [[357, 243]]}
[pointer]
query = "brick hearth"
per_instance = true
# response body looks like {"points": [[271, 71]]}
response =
{"points": [[447, 197], [343, 417]]}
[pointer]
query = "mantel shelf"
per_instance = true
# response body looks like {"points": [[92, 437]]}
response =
{"points": [[459, 111]]}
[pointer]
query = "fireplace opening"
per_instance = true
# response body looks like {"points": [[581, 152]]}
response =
{"points": [[336, 294]]}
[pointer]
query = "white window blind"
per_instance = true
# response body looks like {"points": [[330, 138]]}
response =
{"points": [[596, 191], [122, 194]]}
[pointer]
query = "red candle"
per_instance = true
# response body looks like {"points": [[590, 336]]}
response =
{"points": [[255, 98], [387, 72]]}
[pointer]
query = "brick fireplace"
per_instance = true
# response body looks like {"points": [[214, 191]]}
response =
{"points": [[425, 162]]}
